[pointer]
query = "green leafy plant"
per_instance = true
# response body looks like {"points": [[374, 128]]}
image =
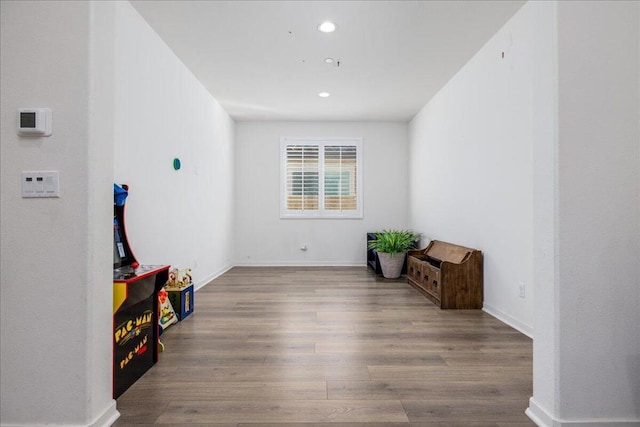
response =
{"points": [[393, 241]]}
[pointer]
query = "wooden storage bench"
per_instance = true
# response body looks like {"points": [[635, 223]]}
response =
{"points": [[449, 275]]}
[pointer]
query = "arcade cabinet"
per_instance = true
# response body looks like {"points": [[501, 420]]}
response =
{"points": [[135, 304]]}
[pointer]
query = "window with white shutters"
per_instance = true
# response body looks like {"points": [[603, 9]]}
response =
{"points": [[321, 178]]}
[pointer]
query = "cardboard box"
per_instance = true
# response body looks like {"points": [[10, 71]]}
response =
{"points": [[181, 300]]}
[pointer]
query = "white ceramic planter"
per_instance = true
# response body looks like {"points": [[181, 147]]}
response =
{"points": [[391, 264]]}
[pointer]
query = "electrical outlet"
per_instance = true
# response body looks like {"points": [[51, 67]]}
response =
{"points": [[522, 290]]}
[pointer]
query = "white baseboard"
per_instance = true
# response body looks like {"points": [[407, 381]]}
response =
{"points": [[538, 415], [302, 264], [219, 273], [211, 277], [542, 418], [505, 318], [106, 419]]}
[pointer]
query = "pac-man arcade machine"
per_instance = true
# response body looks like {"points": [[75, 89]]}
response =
{"points": [[135, 304]]}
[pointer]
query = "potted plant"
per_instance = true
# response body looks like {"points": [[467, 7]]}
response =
{"points": [[391, 247]]}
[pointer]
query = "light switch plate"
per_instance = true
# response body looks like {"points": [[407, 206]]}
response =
{"points": [[40, 184]]}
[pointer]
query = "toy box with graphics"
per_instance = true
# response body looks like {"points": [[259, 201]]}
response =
{"points": [[167, 315], [180, 290]]}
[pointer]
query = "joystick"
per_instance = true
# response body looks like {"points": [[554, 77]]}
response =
{"points": [[135, 265]]}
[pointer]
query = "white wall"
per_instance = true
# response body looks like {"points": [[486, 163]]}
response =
{"points": [[55, 303], [262, 238], [100, 213], [106, 77], [587, 367], [173, 217], [545, 166], [471, 166]]}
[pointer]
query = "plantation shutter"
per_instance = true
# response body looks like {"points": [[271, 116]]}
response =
{"points": [[340, 182], [321, 178], [302, 177]]}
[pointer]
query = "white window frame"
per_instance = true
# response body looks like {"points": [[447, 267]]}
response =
{"points": [[321, 213]]}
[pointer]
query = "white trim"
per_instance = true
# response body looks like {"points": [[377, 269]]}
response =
{"points": [[511, 321], [211, 277], [321, 213], [302, 264], [538, 415], [542, 418], [107, 418]]}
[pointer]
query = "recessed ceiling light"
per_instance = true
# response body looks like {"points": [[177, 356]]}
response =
{"points": [[327, 27], [324, 94], [328, 60]]}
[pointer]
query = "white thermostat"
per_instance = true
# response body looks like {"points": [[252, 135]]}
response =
{"points": [[34, 121]]}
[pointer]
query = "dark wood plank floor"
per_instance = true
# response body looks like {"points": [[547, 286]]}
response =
{"points": [[331, 347]]}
